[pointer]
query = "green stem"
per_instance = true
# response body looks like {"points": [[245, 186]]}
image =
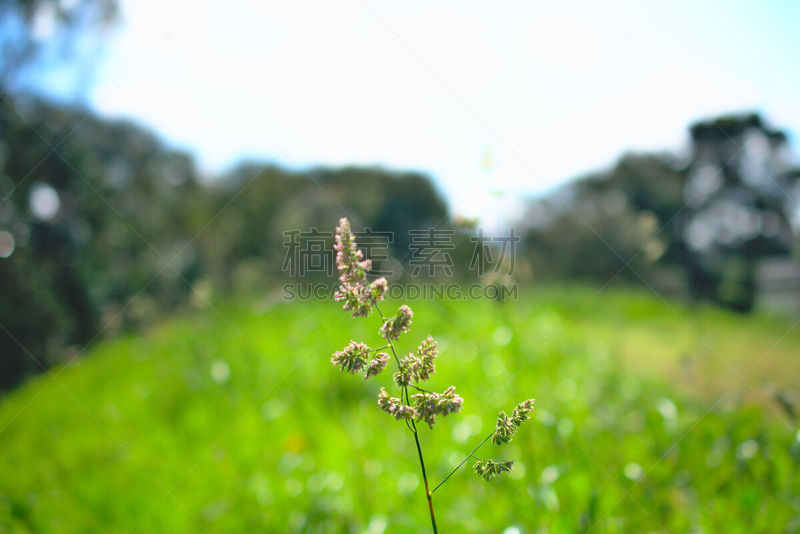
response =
{"points": [[413, 428], [424, 478], [420, 389], [470, 455]]}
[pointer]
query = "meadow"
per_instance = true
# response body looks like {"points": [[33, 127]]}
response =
{"points": [[651, 416]]}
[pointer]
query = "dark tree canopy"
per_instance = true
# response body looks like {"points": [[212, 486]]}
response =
{"points": [[700, 223]]}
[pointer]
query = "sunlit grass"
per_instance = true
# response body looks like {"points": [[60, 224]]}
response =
{"points": [[235, 420]]}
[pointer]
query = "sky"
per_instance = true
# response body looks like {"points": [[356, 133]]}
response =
{"points": [[494, 100]]}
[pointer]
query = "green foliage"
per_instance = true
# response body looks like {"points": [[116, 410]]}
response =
{"points": [[662, 220], [234, 422], [138, 233]]}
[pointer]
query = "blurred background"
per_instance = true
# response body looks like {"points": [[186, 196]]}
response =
{"points": [[627, 172]]}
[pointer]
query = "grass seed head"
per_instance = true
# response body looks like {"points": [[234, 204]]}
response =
{"points": [[376, 364], [488, 469], [399, 324], [352, 358]]}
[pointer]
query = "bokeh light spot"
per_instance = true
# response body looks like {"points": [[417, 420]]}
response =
{"points": [[7, 245], [44, 202]]}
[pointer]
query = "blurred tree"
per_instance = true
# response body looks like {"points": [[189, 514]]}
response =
{"points": [[46, 302], [103, 228], [711, 215], [740, 198], [611, 224], [89, 226], [262, 203], [113, 229], [33, 31]]}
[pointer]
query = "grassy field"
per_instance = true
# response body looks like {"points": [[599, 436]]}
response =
{"points": [[650, 417]]}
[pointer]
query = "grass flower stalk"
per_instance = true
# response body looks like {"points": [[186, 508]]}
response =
{"points": [[360, 297]]}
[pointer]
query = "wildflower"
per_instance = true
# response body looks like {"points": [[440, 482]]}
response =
{"points": [[399, 324], [520, 413], [374, 292], [488, 469], [352, 358], [427, 355], [350, 294], [419, 367], [349, 260], [429, 404], [403, 411], [358, 296], [395, 407], [385, 402], [505, 428], [376, 365], [408, 372]]}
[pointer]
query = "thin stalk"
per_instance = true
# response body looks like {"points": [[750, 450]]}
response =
{"points": [[413, 427], [424, 478], [394, 352], [421, 389], [470, 455]]}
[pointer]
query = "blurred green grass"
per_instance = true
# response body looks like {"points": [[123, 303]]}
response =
{"points": [[651, 417]]}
